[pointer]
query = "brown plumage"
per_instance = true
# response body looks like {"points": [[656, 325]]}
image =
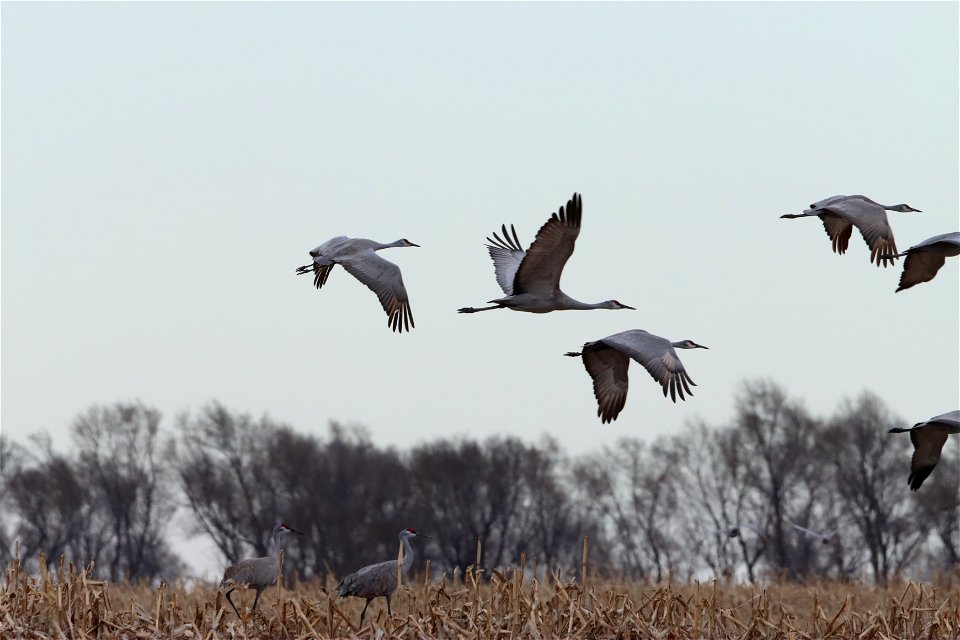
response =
{"points": [[928, 439], [925, 259]]}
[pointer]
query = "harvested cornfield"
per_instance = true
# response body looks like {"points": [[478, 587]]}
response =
{"points": [[66, 603]]}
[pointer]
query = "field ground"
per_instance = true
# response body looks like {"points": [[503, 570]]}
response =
{"points": [[63, 602]]}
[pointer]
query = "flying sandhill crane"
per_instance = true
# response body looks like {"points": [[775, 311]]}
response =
{"points": [[841, 213], [531, 278], [379, 579], [925, 259], [823, 536], [357, 256], [258, 573], [607, 360], [928, 439]]}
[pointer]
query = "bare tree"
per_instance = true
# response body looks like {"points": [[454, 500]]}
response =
{"points": [[635, 488], [868, 471], [777, 437], [121, 457], [50, 509], [470, 490], [551, 520], [712, 469]]}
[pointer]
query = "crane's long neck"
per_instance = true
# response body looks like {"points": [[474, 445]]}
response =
{"points": [[570, 303], [275, 544], [407, 555]]}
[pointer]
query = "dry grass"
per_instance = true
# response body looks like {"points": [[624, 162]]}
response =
{"points": [[66, 603]]}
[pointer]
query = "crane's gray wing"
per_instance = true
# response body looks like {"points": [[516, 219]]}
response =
{"points": [[384, 279], [871, 219], [507, 255], [950, 419], [919, 267], [330, 247], [944, 238], [371, 581], [828, 201], [608, 368], [256, 572], [658, 357], [540, 270], [927, 445]]}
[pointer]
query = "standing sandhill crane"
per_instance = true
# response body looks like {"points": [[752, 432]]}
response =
{"points": [[823, 536], [925, 259], [841, 213], [607, 360], [928, 439], [258, 573], [379, 579], [357, 256], [531, 278]]}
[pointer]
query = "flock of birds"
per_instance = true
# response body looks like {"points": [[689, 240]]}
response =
{"points": [[530, 280]]}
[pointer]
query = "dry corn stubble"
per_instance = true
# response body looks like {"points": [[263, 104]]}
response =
{"points": [[66, 603]]}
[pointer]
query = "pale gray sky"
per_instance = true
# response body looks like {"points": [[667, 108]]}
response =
{"points": [[165, 168]]}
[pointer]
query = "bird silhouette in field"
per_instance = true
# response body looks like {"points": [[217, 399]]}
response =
{"points": [[258, 573], [840, 214], [607, 360], [928, 439], [358, 257], [379, 580], [531, 279]]}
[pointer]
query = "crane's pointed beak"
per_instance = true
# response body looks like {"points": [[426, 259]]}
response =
{"points": [[296, 531], [423, 535], [700, 346]]}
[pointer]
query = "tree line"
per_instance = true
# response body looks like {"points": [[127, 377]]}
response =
{"points": [[650, 509]]}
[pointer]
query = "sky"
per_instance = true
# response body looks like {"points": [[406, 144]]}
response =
{"points": [[167, 166]]}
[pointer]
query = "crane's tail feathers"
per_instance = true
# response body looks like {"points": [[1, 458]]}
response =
{"points": [[573, 354]]}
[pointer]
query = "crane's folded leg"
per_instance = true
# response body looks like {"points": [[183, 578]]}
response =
{"points": [[364, 612]]}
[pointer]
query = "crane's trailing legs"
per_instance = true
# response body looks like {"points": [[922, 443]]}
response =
{"points": [[475, 309]]}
